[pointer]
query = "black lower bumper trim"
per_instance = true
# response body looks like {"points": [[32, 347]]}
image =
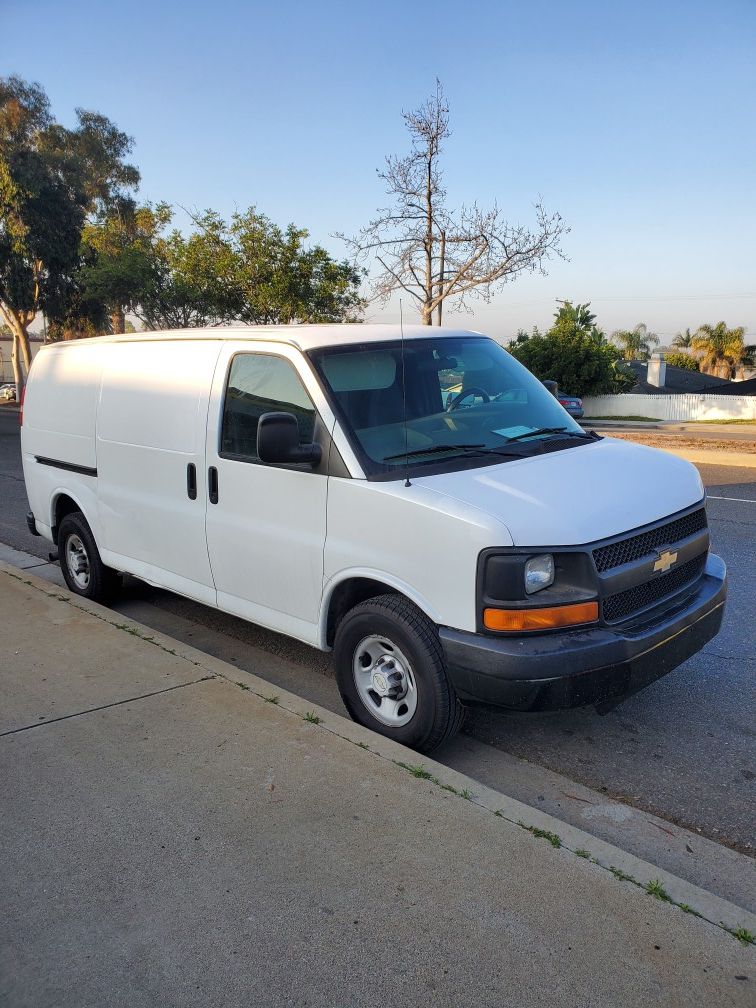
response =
{"points": [[31, 524], [594, 667]]}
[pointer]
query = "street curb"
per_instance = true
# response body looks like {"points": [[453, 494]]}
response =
{"points": [[623, 865]]}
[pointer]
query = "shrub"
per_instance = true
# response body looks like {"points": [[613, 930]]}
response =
{"points": [[576, 361], [681, 360]]}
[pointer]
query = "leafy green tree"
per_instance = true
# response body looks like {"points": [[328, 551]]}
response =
{"points": [[51, 178], [636, 343], [574, 354], [721, 351], [280, 281], [118, 260], [573, 320], [247, 270], [189, 279], [681, 360]]}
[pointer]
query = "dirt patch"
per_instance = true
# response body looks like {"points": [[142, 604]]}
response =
{"points": [[675, 442]]}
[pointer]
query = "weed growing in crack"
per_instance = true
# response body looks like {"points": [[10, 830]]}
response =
{"points": [[743, 935], [655, 888], [554, 839]]}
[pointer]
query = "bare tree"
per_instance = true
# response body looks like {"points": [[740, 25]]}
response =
{"points": [[433, 252]]}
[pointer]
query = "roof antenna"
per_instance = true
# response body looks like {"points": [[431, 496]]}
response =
{"points": [[404, 400]]}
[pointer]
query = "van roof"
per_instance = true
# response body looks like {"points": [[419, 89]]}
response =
{"points": [[304, 337]]}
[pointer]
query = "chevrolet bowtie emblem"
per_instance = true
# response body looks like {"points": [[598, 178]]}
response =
{"points": [[665, 561]]}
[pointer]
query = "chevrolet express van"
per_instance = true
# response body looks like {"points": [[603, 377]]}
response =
{"points": [[416, 502]]}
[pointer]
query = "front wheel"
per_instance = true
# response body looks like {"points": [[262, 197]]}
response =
{"points": [[83, 570], [391, 673]]}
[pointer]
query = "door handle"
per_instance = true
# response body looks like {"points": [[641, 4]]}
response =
{"points": [[212, 484], [191, 481]]}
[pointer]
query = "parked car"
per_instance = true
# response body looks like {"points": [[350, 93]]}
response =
{"points": [[572, 404], [8, 393], [317, 480]]}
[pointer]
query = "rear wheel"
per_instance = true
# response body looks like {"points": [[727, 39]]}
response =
{"points": [[391, 673], [83, 570]]}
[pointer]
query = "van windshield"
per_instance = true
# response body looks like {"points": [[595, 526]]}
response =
{"points": [[465, 401]]}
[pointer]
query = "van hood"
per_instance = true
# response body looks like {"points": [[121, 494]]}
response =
{"points": [[578, 495]]}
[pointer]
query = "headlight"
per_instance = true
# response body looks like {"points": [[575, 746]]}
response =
{"points": [[539, 573]]}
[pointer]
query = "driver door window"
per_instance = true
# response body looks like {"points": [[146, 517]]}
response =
{"points": [[257, 384]]}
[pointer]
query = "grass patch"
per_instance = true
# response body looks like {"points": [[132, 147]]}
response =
{"points": [[751, 422], [272, 699], [312, 717], [553, 838], [645, 419], [362, 745], [417, 771], [655, 888], [422, 774], [582, 852], [243, 686], [744, 935]]}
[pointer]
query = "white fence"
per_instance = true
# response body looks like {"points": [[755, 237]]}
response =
{"points": [[673, 407]]}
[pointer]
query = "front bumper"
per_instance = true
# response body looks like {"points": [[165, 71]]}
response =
{"points": [[597, 666]]}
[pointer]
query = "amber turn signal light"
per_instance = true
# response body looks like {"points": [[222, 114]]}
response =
{"points": [[515, 620]]}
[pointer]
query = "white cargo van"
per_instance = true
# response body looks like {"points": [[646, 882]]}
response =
{"points": [[421, 505]]}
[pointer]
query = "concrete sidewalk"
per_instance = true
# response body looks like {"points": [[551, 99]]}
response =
{"points": [[170, 837]]}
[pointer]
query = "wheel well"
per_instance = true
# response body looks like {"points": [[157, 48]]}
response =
{"points": [[64, 505], [349, 594]]}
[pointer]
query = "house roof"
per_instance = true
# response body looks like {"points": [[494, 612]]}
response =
{"points": [[679, 381], [747, 387]]}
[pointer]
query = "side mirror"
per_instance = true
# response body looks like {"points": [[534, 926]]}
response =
{"points": [[278, 441]]}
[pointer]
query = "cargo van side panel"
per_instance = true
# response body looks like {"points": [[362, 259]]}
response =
{"points": [[60, 410], [151, 428]]}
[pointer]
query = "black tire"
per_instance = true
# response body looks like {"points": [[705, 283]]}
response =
{"points": [[101, 583], [438, 713]]}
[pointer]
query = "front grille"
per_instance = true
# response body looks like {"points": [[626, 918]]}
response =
{"points": [[625, 603], [637, 546]]}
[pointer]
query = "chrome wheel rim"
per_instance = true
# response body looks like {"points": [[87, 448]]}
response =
{"points": [[385, 681], [77, 562]]}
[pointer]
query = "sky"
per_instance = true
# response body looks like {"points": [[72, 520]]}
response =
{"points": [[636, 121]]}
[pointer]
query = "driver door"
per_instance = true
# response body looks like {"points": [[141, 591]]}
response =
{"points": [[266, 524]]}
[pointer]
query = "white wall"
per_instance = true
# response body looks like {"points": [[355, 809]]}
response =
{"points": [[6, 347], [673, 407]]}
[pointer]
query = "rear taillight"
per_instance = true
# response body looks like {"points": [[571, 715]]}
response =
{"points": [[21, 405]]}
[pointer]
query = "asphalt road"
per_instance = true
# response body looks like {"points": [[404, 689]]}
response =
{"points": [[682, 749]]}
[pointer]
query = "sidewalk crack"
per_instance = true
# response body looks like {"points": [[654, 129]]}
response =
{"points": [[116, 703]]}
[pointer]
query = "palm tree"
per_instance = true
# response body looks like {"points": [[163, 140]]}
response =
{"points": [[721, 351], [636, 343], [683, 339]]}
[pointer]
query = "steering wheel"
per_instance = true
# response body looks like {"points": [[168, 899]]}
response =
{"points": [[460, 396]]}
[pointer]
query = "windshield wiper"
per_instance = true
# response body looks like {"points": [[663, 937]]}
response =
{"points": [[433, 450], [550, 430]]}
